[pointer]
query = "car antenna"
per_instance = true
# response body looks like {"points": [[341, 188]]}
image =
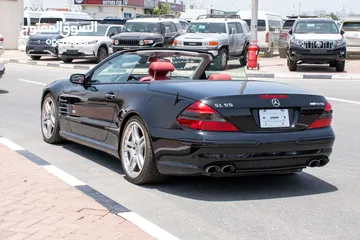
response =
{"points": [[176, 99]]}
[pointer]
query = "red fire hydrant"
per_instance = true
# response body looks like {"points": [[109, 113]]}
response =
{"points": [[253, 52]]}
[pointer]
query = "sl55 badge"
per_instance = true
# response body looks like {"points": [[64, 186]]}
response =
{"points": [[223, 105]]}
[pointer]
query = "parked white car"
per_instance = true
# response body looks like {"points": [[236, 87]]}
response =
{"points": [[92, 45], [1, 45], [2, 68], [352, 35]]}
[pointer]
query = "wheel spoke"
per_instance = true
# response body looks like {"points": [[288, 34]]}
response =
{"points": [[132, 162], [142, 143], [48, 108], [136, 133], [48, 128], [140, 161]]}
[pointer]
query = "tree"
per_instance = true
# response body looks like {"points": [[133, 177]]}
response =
{"points": [[161, 9], [333, 16]]}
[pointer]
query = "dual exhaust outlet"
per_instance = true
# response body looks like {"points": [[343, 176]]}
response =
{"points": [[212, 169], [318, 162]]}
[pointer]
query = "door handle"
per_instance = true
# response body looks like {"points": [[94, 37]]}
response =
{"points": [[110, 95]]}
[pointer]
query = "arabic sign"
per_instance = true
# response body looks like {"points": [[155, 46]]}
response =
{"points": [[150, 4]]}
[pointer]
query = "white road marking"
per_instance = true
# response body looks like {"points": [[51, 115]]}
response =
{"points": [[147, 226], [10, 144], [343, 100], [63, 175], [33, 82]]}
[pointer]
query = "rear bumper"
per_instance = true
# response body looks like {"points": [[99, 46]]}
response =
{"points": [[317, 56], [250, 153]]}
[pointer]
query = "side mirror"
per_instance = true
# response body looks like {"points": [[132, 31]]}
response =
{"points": [[342, 32], [290, 32], [77, 78], [111, 34]]}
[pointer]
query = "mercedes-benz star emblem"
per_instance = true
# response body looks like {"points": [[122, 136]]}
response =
{"points": [[275, 102]]}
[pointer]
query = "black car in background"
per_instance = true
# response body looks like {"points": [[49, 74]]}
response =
{"points": [[45, 43]]}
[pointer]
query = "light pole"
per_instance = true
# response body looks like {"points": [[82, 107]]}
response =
{"points": [[254, 20]]}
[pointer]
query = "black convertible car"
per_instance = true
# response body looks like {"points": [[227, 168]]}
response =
{"points": [[163, 120]]}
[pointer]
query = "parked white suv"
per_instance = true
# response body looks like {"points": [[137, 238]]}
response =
{"points": [[351, 30], [88, 45]]}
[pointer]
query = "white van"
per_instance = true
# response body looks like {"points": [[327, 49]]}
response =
{"points": [[51, 17], [269, 26], [31, 18]]}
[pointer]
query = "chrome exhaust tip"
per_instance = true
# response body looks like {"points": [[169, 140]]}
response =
{"points": [[212, 169], [324, 162], [228, 169], [314, 163]]}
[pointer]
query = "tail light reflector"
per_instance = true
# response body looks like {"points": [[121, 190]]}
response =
{"points": [[267, 37], [200, 116], [325, 119]]}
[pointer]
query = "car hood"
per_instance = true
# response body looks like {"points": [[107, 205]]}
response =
{"points": [[318, 36], [137, 35], [202, 36], [44, 36], [84, 38], [204, 89]]}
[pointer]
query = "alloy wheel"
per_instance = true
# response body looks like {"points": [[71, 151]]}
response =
{"points": [[48, 118], [133, 149]]}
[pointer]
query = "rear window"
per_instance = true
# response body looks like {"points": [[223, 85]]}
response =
{"points": [[261, 24], [288, 23], [50, 20], [351, 26]]}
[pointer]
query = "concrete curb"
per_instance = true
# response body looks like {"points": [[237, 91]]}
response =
{"points": [[113, 206], [248, 75]]}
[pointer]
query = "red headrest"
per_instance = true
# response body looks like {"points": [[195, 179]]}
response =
{"points": [[161, 68], [156, 59], [219, 76]]}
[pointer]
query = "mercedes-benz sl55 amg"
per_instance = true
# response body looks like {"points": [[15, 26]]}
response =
{"points": [[160, 119]]}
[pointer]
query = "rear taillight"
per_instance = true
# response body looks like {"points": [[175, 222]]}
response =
{"points": [[283, 35], [267, 37], [325, 119], [1, 39], [200, 116]]}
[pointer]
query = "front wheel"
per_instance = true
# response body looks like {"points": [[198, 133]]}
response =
{"points": [[292, 65], [136, 154], [102, 54], [50, 126], [340, 66], [244, 59], [221, 60]]}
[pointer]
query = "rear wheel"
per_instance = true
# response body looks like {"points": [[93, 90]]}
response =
{"points": [[136, 154], [292, 65], [102, 54], [66, 60], [340, 66], [221, 60], [35, 57]]}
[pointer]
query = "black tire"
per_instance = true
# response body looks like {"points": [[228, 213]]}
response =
{"points": [[102, 54], [35, 57], [244, 60], [219, 64], [66, 60], [340, 66], [55, 137], [292, 65], [149, 173]]}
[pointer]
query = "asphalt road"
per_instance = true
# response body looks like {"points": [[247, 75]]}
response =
{"points": [[320, 203]]}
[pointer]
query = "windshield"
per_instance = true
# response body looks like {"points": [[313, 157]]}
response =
{"points": [[351, 26], [207, 27], [149, 27], [316, 28], [91, 31]]}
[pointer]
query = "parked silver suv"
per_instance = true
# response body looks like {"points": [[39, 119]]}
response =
{"points": [[226, 36]]}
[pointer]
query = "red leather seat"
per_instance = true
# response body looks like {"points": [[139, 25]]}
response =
{"points": [[220, 76], [158, 71], [156, 59]]}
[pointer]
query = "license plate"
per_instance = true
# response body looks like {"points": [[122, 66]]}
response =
{"points": [[274, 118], [72, 52]]}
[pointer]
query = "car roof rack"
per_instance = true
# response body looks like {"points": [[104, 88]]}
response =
{"points": [[302, 16], [231, 16]]}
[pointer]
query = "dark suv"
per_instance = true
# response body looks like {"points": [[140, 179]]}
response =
{"points": [[147, 32], [316, 41]]}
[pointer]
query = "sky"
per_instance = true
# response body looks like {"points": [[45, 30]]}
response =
{"points": [[282, 7]]}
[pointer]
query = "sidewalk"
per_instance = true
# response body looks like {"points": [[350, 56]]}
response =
{"points": [[35, 205]]}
